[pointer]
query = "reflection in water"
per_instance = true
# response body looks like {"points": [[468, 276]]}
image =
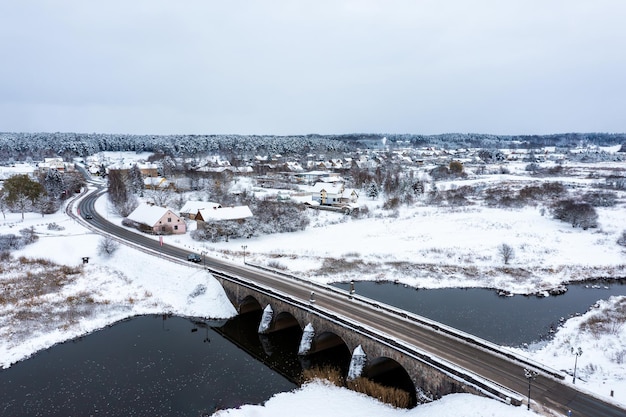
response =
{"points": [[146, 366], [277, 350], [157, 366]]}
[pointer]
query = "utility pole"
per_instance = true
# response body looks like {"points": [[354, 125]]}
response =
{"points": [[577, 353], [530, 376], [244, 247]]}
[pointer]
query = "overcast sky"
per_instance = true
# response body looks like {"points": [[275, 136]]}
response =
{"points": [[322, 66]]}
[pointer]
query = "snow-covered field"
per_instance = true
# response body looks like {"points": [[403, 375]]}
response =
{"points": [[424, 247]]}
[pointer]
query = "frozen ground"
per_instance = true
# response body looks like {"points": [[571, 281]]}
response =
{"points": [[320, 399], [422, 247]]}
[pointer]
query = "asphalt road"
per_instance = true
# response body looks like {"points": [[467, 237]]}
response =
{"points": [[547, 390]]}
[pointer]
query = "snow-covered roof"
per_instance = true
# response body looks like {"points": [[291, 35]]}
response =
{"points": [[330, 188], [192, 207], [225, 213], [148, 214], [156, 182]]}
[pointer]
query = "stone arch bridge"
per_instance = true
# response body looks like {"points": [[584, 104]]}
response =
{"points": [[372, 354]]}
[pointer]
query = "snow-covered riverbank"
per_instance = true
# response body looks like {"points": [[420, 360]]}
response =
{"points": [[131, 282]]}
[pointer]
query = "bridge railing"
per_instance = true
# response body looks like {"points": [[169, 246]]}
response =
{"points": [[489, 388], [424, 321]]}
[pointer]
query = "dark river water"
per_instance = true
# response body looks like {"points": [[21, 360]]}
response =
{"points": [[510, 321], [170, 366], [146, 366]]}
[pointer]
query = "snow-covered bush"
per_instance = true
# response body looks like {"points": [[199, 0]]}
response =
{"points": [[107, 246], [198, 291], [622, 239], [579, 214], [55, 227], [600, 198]]}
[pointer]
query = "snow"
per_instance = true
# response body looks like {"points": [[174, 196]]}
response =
{"points": [[451, 247], [129, 283], [322, 399], [225, 213], [430, 247]]}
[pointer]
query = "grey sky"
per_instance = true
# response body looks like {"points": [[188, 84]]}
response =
{"points": [[323, 66]]}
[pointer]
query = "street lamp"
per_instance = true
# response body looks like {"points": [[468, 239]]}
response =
{"points": [[576, 352], [530, 376], [203, 253], [244, 247]]}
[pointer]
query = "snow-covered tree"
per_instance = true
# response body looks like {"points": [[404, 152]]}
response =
{"points": [[135, 179], [372, 190], [53, 182]]}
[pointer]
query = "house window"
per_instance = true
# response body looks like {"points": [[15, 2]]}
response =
{"points": [[176, 227], [169, 219]]}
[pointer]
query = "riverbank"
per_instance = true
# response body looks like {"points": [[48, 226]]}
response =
{"points": [[129, 283], [425, 247]]}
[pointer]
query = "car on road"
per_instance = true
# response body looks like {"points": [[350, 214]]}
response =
{"points": [[88, 216], [194, 257]]}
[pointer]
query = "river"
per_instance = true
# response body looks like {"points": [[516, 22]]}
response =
{"points": [[510, 321], [160, 365]]}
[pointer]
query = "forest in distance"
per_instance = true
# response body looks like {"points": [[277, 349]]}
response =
{"points": [[36, 146]]}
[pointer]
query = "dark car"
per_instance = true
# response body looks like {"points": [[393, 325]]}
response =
{"points": [[88, 216], [194, 257]]}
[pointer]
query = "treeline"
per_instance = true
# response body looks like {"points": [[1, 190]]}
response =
{"points": [[474, 140], [36, 146]]}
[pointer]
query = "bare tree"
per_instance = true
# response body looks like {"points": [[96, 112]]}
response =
{"points": [[160, 196], [107, 246], [506, 253]]}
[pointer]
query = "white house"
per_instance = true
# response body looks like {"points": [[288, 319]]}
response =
{"points": [[158, 220], [329, 194]]}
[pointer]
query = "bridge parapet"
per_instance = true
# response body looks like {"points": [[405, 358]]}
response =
{"points": [[429, 375]]}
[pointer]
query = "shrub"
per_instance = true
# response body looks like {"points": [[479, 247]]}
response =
{"points": [[29, 235], [622, 239], [330, 374], [389, 395], [107, 246], [579, 214], [600, 198], [391, 203], [54, 226], [456, 168]]}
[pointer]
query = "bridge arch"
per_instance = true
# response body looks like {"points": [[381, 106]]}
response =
{"points": [[284, 320], [328, 350], [431, 382], [389, 373], [248, 304]]}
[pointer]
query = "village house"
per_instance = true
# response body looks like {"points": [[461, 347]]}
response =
{"points": [[333, 193], [213, 214], [190, 209], [157, 183], [158, 220], [52, 163]]}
